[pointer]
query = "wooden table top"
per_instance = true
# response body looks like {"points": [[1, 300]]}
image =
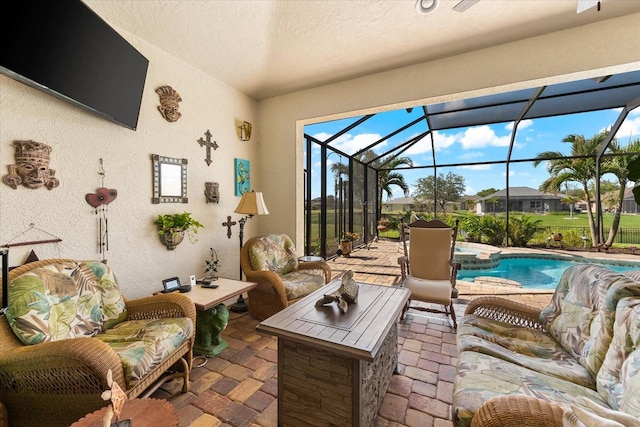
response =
{"points": [[358, 333], [207, 298], [142, 412]]}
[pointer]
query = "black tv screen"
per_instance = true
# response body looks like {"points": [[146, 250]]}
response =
{"points": [[63, 48]]}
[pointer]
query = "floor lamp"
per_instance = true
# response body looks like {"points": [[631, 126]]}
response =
{"points": [[251, 204], [4, 254]]}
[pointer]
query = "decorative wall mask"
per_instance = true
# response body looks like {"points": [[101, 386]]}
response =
{"points": [[32, 167], [211, 192], [168, 107], [209, 144]]}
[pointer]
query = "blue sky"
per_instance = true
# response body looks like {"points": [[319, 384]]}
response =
{"points": [[473, 144]]}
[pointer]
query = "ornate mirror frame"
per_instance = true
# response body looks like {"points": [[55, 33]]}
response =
{"points": [[169, 179]]}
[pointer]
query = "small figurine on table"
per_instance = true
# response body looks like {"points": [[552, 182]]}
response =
{"points": [[117, 397], [346, 294]]}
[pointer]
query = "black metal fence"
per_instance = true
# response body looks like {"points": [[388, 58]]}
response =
{"points": [[630, 236]]}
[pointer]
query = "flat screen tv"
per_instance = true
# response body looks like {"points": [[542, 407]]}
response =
{"points": [[64, 49]]}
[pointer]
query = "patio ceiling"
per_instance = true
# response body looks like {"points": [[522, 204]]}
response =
{"points": [[609, 92]]}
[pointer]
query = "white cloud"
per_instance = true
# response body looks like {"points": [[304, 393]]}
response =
{"points": [[630, 129], [523, 125], [350, 143], [476, 167], [482, 136], [421, 147], [442, 141], [511, 173]]}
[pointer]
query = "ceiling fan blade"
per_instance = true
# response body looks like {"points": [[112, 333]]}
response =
{"points": [[464, 5], [587, 4]]}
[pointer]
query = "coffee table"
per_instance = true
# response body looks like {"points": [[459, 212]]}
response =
{"points": [[212, 315], [334, 368]]}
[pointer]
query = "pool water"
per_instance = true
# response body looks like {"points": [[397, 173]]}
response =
{"points": [[532, 273]]}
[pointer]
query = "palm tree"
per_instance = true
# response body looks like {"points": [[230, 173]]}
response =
{"points": [[619, 167], [388, 178], [563, 169]]}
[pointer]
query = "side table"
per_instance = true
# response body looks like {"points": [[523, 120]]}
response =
{"points": [[142, 412], [212, 315]]}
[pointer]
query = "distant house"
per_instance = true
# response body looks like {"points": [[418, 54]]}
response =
{"points": [[629, 204], [521, 199], [401, 204], [468, 202], [408, 204]]}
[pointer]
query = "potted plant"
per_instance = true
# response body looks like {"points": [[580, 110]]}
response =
{"points": [[172, 227], [346, 242]]}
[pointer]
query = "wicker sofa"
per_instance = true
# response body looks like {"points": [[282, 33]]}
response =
{"points": [[577, 359], [271, 261], [68, 324]]}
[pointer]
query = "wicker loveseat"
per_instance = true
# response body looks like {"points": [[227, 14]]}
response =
{"points": [[271, 261], [67, 325], [576, 359]]}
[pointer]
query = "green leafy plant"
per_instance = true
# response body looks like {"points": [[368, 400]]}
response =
{"points": [[175, 223], [472, 226], [522, 229], [494, 230]]}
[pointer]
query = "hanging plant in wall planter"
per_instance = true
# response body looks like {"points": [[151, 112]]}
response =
{"points": [[172, 228]]}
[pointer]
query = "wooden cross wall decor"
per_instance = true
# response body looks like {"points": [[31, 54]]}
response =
{"points": [[209, 144], [229, 224]]}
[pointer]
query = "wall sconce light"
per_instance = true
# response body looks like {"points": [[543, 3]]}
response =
{"points": [[245, 131]]}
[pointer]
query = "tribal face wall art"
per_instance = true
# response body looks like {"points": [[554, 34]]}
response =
{"points": [[32, 167]]}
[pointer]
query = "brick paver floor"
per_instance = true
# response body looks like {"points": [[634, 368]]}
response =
{"points": [[239, 387]]}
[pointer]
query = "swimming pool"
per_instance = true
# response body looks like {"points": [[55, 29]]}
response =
{"points": [[532, 273]]}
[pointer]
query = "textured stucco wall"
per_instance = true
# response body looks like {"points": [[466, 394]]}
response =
{"points": [[79, 139], [588, 51]]}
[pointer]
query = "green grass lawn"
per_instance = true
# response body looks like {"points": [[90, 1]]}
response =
{"points": [[560, 220], [580, 220]]}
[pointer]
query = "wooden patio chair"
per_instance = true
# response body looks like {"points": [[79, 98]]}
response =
{"points": [[428, 267]]}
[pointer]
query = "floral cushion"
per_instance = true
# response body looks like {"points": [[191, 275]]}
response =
{"points": [[619, 377], [596, 415], [633, 274], [581, 313], [481, 377], [298, 284], [274, 252], [530, 348], [64, 300], [144, 344]]}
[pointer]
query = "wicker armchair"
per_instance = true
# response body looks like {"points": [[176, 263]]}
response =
{"points": [[271, 262], [56, 382], [521, 411]]}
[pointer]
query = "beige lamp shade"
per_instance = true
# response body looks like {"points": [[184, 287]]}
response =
{"points": [[251, 204]]}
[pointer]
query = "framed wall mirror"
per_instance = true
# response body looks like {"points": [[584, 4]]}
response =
{"points": [[169, 179]]}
